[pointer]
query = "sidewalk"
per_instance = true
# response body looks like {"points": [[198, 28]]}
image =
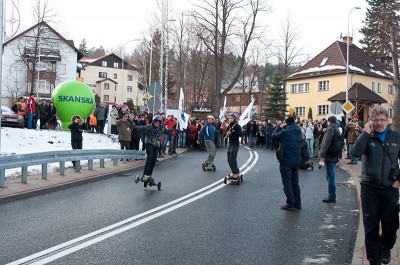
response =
{"points": [[359, 256], [15, 190]]}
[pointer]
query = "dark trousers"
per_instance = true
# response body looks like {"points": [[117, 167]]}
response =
{"points": [[290, 181], [114, 129], [379, 206], [124, 145], [143, 139], [232, 158], [76, 145], [43, 123], [100, 126], [152, 152], [134, 145]]}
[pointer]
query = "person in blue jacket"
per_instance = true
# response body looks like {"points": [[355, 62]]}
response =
{"points": [[208, 133], [290, 137]]}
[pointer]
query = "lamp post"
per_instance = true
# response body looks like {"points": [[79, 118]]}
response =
{"points": [[347, 55], [122, 67]]}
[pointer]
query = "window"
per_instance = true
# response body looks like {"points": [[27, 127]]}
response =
{"points": [[106, 86], [300, 111], [323, 62], [116, 65], [130, 78], [44, 87], [322, 109], [128, 89], [300, 88], [373, 86], [106, 97], [103, 74], [379, 88], [390, 90], [115, 76], [323, 85], [104, 63], [390, 112], [237, 98]]}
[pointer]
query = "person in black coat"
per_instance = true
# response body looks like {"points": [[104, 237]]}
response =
{"points": [[76, 133], [51, 116], [305, 156]]}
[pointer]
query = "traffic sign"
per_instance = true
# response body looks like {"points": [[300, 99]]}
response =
{"points": [[336, 108], [348, 107]]}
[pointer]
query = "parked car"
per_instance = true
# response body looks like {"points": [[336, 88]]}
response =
{"points": [[10, 118]]}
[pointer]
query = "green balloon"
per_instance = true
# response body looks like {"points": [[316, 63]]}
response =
{"points": [[72, 98]]}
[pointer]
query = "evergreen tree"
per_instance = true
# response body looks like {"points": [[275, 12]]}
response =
{"points": [[83, 47], [381, 16], [275, 105], [309, 113]]}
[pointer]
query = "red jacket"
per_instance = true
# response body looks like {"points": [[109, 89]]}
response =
{"points": [[170, 125], [30, 105], [191, 131]]}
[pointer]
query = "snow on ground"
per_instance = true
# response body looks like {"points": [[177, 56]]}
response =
{"points": [[24, 141]]}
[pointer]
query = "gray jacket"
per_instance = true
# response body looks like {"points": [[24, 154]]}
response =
{"points": [[380, 167], [326, 142]]}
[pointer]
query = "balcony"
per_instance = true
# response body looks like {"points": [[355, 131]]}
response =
{"points": [[45, 54]]}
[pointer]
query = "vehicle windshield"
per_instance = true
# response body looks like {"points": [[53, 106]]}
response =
{"points": [[5, 109]]}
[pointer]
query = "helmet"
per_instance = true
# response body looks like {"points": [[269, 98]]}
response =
{"points": [[210, 117], [234, 115], [157, 118]]}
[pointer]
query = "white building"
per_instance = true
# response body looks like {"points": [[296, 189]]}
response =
{"points": [[39, 45], [113, 82]]}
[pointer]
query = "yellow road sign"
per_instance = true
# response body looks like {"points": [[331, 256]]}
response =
{"points": [[348, 106]]}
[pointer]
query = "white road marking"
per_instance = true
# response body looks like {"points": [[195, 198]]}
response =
{"points": [[46, 256]]}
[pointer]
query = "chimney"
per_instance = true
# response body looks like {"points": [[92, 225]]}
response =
{"points": [[349, 39]]}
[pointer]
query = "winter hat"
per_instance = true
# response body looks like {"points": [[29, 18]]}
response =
{"points": [[289, 119], [332, 119]]}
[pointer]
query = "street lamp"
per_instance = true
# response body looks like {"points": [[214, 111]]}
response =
{"points": [[122, 67], [347, 55]]}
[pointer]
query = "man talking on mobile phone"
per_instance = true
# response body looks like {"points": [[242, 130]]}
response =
{"points": [[379, 147]]}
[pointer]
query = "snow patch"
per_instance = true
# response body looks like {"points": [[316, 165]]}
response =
{"points": [[319, 69]]}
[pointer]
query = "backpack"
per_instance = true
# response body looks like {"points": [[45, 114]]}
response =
{"points": [[337, 144]]}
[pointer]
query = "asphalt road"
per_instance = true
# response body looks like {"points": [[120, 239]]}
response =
{"points": [[194, 219]]}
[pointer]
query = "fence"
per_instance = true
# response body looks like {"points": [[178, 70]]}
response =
{"points": [[23, 161]]}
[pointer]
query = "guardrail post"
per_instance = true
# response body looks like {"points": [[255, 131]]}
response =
{"points": [[62, 168], [102, 163], [24, 174], [124, 161], [77, 166], [90, 164], [115, 161], [2, 178], [44, 171]]}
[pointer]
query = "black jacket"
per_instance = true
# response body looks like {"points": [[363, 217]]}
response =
{"points": [[380, 167], [76, 131], [290, 139], [236, 132]]}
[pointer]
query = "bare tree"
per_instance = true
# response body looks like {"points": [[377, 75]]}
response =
{"points": [[224, 25], [288, 51]]}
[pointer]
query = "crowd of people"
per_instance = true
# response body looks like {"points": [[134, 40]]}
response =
{"points": [[33, 111]]}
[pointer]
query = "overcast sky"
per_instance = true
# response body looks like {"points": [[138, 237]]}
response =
{"points": [[112, 23]]}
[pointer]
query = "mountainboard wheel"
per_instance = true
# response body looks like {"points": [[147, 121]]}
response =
{"points": [[225, 180], [241, 177], [137, 179], [159, 185], [214, 167], [145, 184], [203, 166], [238, 180]]}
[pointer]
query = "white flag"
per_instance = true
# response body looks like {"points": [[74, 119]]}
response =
{"points": [[181, 108], [223, 111], [246, 114]]}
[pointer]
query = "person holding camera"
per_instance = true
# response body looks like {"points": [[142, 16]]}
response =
{"points": [[76, 133], [379, 147], [290, 137], [124, 132]]}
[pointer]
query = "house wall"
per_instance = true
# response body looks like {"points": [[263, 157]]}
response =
{"points": [[337, 83], [91, 75]]}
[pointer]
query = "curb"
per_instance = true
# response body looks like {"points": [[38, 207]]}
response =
{"points": [[76, 182], [359, 243]]}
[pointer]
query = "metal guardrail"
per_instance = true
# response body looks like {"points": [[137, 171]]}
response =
{"points": [[43, 158]]}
